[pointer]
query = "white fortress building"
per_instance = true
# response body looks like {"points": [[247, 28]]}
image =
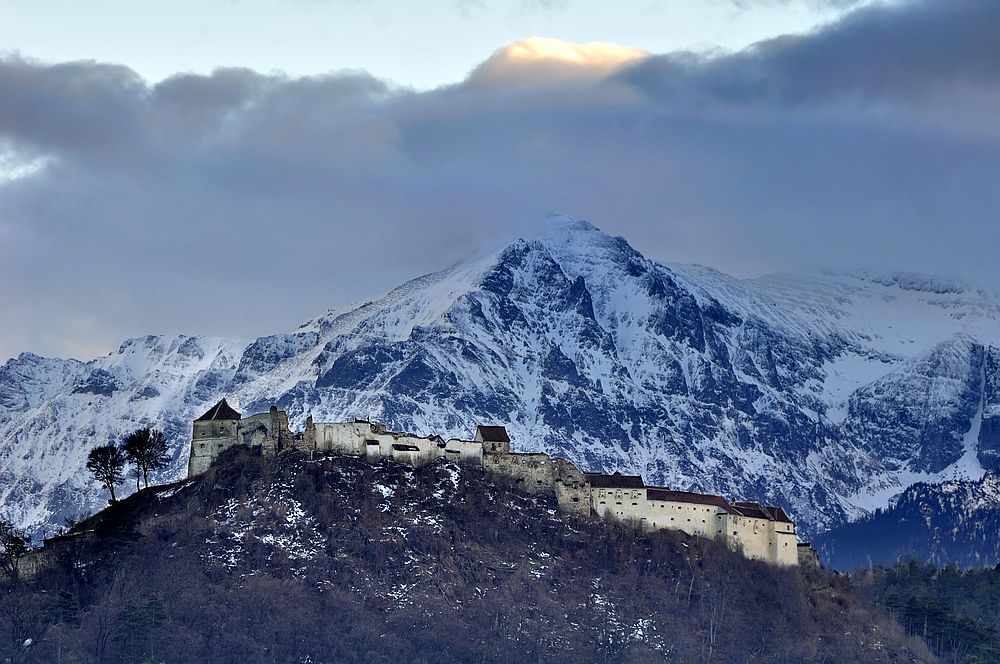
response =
{"points": [[759, 532]]}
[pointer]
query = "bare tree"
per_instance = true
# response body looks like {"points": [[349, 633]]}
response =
{"points": [[106, 463], [146, 448], [13, 547]]}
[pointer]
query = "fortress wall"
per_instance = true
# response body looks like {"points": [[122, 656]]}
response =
{"points": [[749, 536], [35, 562], [785, 544], [400, 447], [464, 451], [572, 488], [264, 430], [532, 472], [205, 450], [808, 556], [633, 506], [340, 437]]}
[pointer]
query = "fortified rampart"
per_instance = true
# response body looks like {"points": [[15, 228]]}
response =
{"points": [[757, 531]]}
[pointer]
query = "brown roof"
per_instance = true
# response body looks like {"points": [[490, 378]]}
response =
{"points": [[758, 511], [616, 481], [779, 514], [493, 434], [220, 411], [653, 493]]}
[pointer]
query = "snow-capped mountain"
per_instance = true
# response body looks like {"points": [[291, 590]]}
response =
{"points": [[825, 393], [952, 522]]}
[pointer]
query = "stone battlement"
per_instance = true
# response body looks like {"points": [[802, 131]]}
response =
{"points": [[757, 531]]}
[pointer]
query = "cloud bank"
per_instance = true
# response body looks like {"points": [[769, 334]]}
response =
{"points": [[239, 203]]}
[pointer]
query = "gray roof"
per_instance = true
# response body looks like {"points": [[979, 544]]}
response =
{"points": [[220, 411]]}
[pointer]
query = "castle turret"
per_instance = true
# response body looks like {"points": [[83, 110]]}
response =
{"points": [[213, 432], [494, 439]]}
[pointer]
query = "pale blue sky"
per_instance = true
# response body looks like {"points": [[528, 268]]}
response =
{"points": [[420, 44]]}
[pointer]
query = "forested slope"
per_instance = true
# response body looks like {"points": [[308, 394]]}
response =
{"points": [[338, 560]]}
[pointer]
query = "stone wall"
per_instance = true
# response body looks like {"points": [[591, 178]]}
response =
{"points": [[373, 440], [572, 489], [764, 539], [209, 438], [633, 505], [531, 472], [808, 556], [268, 431]]}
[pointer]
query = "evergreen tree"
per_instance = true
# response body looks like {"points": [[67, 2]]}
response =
{"points": [[106, 463], [67, 608], [146, 449]]}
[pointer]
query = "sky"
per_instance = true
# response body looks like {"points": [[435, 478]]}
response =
{"points": [[234, 168]]}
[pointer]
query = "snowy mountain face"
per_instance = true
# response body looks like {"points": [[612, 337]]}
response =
{"points": [[826, 393], [951, 522], [53, 412]]}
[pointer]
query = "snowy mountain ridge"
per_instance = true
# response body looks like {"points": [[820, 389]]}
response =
{"points": [[825, 393]]}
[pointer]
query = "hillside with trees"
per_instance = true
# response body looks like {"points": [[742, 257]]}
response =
{"points": [[334, 559], [957, 613]]}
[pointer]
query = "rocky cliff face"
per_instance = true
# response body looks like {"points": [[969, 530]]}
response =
{"points": [[826, 394]]}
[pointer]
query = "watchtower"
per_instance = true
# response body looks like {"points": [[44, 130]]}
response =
{"points": [[494, 439], [214, 432]]}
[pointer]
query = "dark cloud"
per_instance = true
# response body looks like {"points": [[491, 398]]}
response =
{"points": [[240, 204], [916, 50]]}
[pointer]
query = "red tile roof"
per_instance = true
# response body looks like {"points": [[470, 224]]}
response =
{"points": [[758, 511], [653, 493]]}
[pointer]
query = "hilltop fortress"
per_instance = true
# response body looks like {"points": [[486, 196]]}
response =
{"points": [[757, 531]]}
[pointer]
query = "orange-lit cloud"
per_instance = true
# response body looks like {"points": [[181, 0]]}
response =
{"points": [[545, 60]]}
